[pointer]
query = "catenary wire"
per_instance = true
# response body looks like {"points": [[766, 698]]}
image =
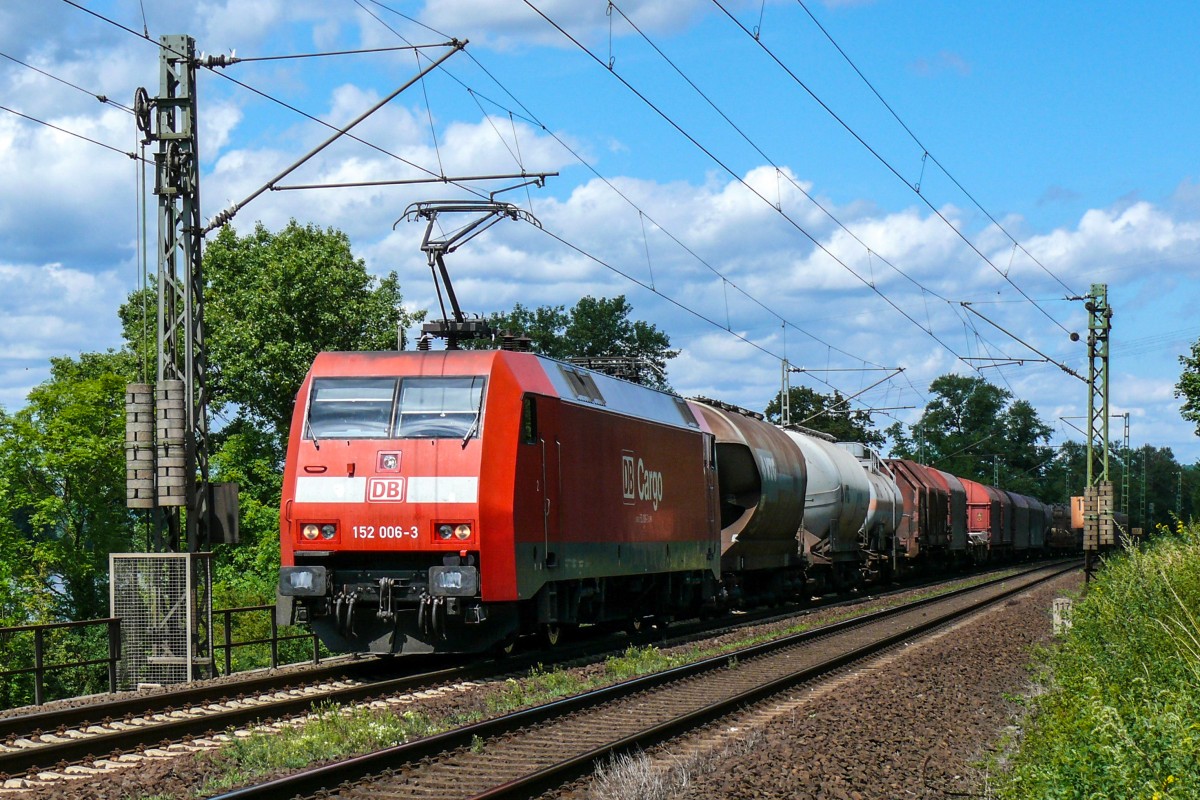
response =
{"points": [[530, 118], [101, 97], [738, 178], [883, 161], [925, 149], [779, 171], [133, 156]]}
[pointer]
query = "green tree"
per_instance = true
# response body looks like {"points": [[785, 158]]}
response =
{"points": [[827, 413], [273, 300], [974, 429], [62, 466], [1066, 474], [594, 328], [1189, 386]]}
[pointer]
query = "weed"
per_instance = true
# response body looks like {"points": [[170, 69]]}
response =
{"points": [[1117, 714]]}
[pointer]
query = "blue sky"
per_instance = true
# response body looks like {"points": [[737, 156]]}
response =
{"points": [[1074, 127]]}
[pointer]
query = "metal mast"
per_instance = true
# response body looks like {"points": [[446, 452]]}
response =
{"points": [[1125, 465], [1098, 495], [182, 364]]}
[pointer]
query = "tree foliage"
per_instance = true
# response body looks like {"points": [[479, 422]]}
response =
{"points": [[593, 328], [1189, 386], [975, 429], [62, 466], [827, 413], [273, 300]]}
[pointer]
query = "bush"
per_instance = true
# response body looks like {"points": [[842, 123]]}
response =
{"points": [[1121, 714]]}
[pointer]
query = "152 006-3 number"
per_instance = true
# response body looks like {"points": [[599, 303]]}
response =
{"points": [[385, 532]]}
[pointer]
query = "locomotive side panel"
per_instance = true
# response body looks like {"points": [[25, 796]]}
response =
{"points": [[607, 495]]}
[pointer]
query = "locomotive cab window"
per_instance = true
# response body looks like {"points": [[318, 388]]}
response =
{"points": [[529, 428], [350, 408], [440, 408]]}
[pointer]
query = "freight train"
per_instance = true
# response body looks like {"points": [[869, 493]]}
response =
{"points": [[454, 500]]}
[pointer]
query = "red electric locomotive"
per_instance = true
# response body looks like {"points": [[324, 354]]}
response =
{"points": [[449, 501]]}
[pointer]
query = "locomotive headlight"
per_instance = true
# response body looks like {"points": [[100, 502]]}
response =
{"points": [[462, 531], [328, 531], [445, 531], [310, 531]]}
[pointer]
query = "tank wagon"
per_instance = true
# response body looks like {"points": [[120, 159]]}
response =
{"points": [[451, 501]]}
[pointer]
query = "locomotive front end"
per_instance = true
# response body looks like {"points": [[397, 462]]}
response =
{"points": [[381, 520]]}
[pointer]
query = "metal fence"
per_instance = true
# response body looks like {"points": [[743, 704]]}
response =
{"points": [[226, 644], [43, 654], [44, 638], [164, 605]]}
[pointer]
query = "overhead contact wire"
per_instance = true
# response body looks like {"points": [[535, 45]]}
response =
{"points": [[529, 117], [737, 177], [925, 150], [779, 172], [885, 163]]}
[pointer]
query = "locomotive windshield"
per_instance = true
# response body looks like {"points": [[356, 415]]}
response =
{"points": [[395, 408]]}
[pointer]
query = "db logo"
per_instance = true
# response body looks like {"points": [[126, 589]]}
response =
{"points": [[385, 490], [628, 477]]}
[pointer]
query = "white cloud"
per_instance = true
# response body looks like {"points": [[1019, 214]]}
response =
{"points": [[510, 25]]}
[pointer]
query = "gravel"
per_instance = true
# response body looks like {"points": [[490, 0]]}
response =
{"points": [[914, 724]]}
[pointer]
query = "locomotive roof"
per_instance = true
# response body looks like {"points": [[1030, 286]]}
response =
{"points": [[569, 382]]}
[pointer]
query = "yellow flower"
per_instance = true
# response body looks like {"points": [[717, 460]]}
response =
{"points": [[1170, 779]]}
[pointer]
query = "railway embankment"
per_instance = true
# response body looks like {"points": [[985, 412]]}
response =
{"points": [[1117, 711]]}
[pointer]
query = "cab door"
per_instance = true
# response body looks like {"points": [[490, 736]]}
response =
{"points": [[550, 446], [538, 507]]}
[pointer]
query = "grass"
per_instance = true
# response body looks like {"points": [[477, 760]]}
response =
{"points": [[1118, 709], [331, 733]]}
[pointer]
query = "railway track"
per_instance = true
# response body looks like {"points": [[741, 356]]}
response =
{"points": [[108, 734], [528, 752]]}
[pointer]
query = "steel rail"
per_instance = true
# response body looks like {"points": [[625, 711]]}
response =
{"points": [[536, 783], [47, 755], [48, 719], [101, 710], [322, 778]]}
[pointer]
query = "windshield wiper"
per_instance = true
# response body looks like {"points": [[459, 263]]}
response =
{"points": [[308, 422], [475, 422], [474, 427]]}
